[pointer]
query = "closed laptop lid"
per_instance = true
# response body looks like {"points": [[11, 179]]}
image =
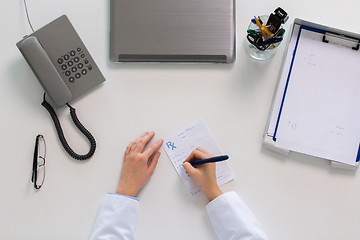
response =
{"points": [[172, 31]]}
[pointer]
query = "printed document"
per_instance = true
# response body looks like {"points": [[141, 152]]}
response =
{"points": [[179, 146], [321, 113]]}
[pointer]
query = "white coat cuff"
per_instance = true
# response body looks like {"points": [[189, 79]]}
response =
{"points": [[117, 218], [232, 219], [122, 195]]}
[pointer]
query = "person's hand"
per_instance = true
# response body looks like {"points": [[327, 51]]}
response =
{"points": [[204, 175], [136, 169]]}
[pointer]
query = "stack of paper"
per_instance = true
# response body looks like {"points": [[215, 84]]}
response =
{"points": [[320, 113]]}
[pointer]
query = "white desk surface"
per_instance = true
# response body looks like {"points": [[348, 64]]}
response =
{"points": [[296, 197]]}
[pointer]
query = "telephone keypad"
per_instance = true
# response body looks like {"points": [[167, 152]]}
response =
{"points": [[77, 62]]}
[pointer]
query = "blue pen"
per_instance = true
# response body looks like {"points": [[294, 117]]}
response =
{"points": [[210, 160], [254, 21]]}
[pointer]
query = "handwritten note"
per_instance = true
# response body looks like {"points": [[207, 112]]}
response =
{"points": [[179, 145], [321, 113]]}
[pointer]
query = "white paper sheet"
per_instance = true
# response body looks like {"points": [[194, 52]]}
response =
{"points": [[179, 145], [282, 82], [321, 111]]}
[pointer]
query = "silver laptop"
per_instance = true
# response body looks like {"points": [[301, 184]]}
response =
{"points": [[172, 31]]}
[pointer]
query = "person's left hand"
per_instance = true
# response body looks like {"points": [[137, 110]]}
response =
{"points": [[136, 169]]}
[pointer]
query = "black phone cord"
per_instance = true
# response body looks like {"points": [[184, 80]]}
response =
{"points": [[78, 124]]}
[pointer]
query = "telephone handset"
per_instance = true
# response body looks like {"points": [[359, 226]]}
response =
{"points": [[45, 71], [64, 68]]}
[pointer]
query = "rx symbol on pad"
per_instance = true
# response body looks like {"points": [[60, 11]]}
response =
{"points": [[170, 144]]}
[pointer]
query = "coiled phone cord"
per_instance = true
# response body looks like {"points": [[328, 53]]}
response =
{"points": [[78, 124]]}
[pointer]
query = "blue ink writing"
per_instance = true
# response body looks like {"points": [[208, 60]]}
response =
{"points": [[170, 144]]}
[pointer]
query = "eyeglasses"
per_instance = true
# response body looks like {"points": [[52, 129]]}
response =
{"points": [[38, 170]]}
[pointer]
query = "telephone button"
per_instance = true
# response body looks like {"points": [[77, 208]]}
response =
{"points": [[78, 49], [66, 57], [82, 55], [63, 67], [73, 69], [71, 79], [77, 75], [83, 71], [72, 53], [80, 65], [67, 73], [60, 60], [76, 59], [70, 63], [86, 61]]}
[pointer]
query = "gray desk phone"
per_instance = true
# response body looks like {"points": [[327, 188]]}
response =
{"points": [[64, 68]]}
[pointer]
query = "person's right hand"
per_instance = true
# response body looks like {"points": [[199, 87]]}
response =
{"points": [[204, 175], [136, 169]]}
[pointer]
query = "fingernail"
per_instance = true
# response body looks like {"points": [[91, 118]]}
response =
{"points": [[144, 134]]}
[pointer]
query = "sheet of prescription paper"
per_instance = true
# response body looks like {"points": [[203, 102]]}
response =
{"points": [[321, 113], [179, 145]]}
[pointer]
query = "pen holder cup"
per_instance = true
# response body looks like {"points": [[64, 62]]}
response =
{"points": [[253, 51]]}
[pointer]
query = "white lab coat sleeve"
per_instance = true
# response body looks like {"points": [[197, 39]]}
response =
{"points": [[117, 218], [233, 220]]}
